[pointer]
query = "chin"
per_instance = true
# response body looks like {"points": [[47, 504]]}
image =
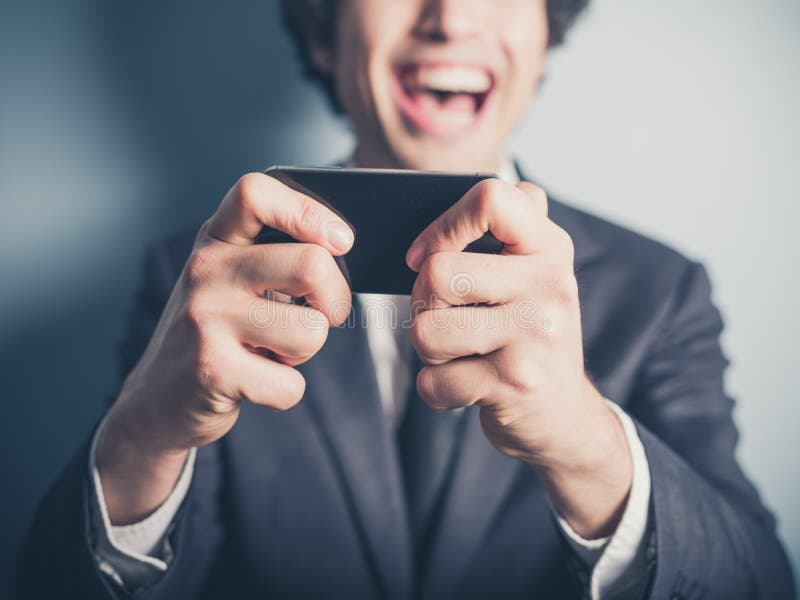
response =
{"points": [[446, 155]]}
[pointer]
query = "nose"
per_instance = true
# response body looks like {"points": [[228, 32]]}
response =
{"points": [[445, 20]]}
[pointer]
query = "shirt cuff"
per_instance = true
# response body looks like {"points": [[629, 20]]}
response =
{"points": [[137, 554], [618, 562]]}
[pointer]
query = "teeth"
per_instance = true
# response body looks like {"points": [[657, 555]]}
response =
{"points": [[452, 79]]}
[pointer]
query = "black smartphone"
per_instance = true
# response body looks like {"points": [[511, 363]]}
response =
{"points": [[386, 209]]}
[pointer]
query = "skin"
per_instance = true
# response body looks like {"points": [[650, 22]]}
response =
{"points": [[537, 404], [509, 35]]}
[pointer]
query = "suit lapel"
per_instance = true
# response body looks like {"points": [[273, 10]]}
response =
{"points": [[342, 393], [569, 219], [481, 479], [586, 247]]}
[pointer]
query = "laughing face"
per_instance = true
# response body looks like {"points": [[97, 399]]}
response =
{"points": [[437, 84]]}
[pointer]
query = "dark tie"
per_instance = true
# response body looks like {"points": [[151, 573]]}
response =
{"points": [[426, 442]]}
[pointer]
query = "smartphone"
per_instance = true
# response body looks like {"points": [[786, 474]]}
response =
{"points": [[386, 210]]}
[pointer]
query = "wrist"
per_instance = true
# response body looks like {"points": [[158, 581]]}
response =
{"points": [[125, 445], [589, 480], [136, 476]]}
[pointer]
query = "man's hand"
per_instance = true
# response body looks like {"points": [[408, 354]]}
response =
{"points": [[227, 335], [504, 332]]}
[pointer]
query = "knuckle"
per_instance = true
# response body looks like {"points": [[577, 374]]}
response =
{"points": [[247, 189], [313, 264], [434, 275], [537, 193], [439, 266], [563, 286], [202, 232], [490, 194], [339, 310], [552, 337], [564, 244], [197, 314], [308, 219], [314, 339], [423, 336], [521, 381], [217, 405], [199, 267], [426, 384]]}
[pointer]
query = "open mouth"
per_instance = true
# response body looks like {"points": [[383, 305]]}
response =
{"points": [[443, 99]]}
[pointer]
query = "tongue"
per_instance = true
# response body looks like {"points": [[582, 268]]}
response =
{"points": [[440, 114], [449, 115], [462, 103]]}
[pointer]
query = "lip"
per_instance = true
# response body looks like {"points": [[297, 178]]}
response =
{"points": [[418, 120]]}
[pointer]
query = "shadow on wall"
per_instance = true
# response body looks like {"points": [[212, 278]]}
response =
{"points": [[209, 92]]}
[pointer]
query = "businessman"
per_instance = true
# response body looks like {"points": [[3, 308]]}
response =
{"points": [[583, 447]]}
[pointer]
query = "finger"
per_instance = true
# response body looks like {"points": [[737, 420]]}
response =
{"points": [[444, 334], [300, 270], [506, 211], [279, 296], [461, 278], [536, 194], [288, 333], [456, 384], [258, 200], [245, 375]]}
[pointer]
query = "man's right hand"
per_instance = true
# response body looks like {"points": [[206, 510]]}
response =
{"points": [[227, 334]]}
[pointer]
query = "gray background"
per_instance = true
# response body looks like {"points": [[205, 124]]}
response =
{"points": [[122, 121]]}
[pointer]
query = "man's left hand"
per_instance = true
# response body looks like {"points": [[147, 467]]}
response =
{"points": [[504, 332]]}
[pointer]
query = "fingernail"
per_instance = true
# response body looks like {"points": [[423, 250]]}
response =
{"points": [[340, 235], [414, 256]]}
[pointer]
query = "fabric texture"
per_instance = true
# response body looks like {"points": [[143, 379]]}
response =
{"points": [[134, 556], [310, 501]]}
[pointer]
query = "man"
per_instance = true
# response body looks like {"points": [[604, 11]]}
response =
{"points": [[584, 450]]}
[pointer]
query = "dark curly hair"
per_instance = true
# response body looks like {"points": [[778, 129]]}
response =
{"points": [[317, 18]]}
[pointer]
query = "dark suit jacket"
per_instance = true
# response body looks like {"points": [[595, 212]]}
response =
{"points": [[309, 503]]}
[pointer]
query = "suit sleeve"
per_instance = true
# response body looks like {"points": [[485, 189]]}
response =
{"points": [[713, 537], [58, 556]]}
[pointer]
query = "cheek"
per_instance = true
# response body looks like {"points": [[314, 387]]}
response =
{"points": [[348, 72], [362, 53], [525, 40]]}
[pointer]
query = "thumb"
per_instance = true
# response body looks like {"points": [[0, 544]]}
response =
{"points": [[536, 194]]}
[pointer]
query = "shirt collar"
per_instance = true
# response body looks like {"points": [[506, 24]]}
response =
{"points": [[508, 172]]}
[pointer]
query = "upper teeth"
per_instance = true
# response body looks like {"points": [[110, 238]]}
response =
{"points": [[453, 79]]}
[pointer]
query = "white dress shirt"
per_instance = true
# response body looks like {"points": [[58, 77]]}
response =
{"points": [[137, 555]]}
